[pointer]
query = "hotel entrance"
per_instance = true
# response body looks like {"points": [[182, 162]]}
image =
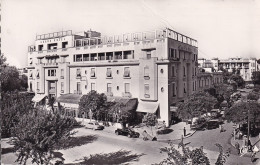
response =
{"points": [[52, 89]]}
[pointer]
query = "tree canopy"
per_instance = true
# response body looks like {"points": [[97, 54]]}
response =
{"points": [[93, 102], [10, 79], [256, 77], [38, 133], [240, 111], [195, 105], [14, 105]]}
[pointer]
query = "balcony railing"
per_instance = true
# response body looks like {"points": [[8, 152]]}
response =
{"points": [[79, 92], [109, 94], [127, 94]]}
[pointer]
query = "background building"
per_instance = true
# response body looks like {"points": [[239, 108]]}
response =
{"points": [[244, 66], [159, 68]]}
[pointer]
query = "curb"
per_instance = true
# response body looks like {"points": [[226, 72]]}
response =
{"points": [[164, 140]]}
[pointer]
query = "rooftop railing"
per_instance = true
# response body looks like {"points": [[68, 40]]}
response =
{"points": [[118, 39], [54, 35]]}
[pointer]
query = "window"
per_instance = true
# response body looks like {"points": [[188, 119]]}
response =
{"points": [[92, 74], [127, 88], [173, 53], [78, 57], [173, 71], [40, 60], [173, 90], [62, 59], [62, 73], [85, 57], [78, 87], [51, 72], [37, 74], [64, 44], [31, 74], [78, 72], [126, 72], [62, 86], [93, 86], [148, 54], [109, 87], [40, 47], [192, 71], [184, 87], [146, 89], [146, 71], [109, 72], [184, 71]]}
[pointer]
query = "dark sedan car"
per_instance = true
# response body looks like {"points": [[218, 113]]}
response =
{"points": [[127, 132]]}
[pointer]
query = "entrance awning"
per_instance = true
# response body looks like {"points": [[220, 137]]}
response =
{"points": [[37, 98], [127, 103], [173, 109], [69, 98], [148, 107]]}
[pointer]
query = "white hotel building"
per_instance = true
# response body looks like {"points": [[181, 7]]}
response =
{"points": [[158, 68]]}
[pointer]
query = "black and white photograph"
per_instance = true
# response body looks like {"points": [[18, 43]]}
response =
{"points": [[132, 82]]}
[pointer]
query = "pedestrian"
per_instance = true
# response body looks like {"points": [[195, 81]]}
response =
{"points": [[249, 145], [237, 147], [221, 128], [184, 131]]}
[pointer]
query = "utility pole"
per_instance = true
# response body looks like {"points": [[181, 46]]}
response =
{"points": [[248, 124]]}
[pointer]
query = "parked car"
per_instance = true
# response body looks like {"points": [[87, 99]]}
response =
{"points": [[95, 126], [127, 132], [210, 124], [249, 86]]}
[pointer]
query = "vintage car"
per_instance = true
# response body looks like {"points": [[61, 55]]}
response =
{"points": [[127, 132], [94, 126]]}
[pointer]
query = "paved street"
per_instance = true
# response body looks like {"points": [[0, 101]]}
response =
{"points": [[148, 152]]}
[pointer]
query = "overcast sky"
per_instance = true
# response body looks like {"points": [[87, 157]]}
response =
{"points": [[223, 28]]}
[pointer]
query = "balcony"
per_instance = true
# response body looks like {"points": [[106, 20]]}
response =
{"points": [[127, 95], [79, 92], [109, 94]]}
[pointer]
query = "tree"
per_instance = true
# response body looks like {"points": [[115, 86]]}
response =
{"points": [[2, 59], [196, 105], [253, 96], [38, 133], [94, 102], [238, 79], [189, 157], [14, 105], [150, 120], [224, 92], [256, 77], [240, 112]]}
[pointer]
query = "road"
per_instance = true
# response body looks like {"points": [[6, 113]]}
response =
{"points": [[209, 138], [109, 142], [146, 152]]}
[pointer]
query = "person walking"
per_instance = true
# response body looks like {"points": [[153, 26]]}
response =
{"points": [[184, 131]]}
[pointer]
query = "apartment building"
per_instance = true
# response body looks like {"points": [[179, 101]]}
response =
{"points": [[159, 68], [246, 66]]}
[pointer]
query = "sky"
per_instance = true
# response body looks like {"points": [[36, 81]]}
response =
{"points": [[223, 28]]}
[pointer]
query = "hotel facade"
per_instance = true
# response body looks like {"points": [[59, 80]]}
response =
{"points": [[158, 68]]}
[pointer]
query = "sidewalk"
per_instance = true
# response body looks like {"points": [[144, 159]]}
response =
{"points": [[254, 141], [174, 132]]}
